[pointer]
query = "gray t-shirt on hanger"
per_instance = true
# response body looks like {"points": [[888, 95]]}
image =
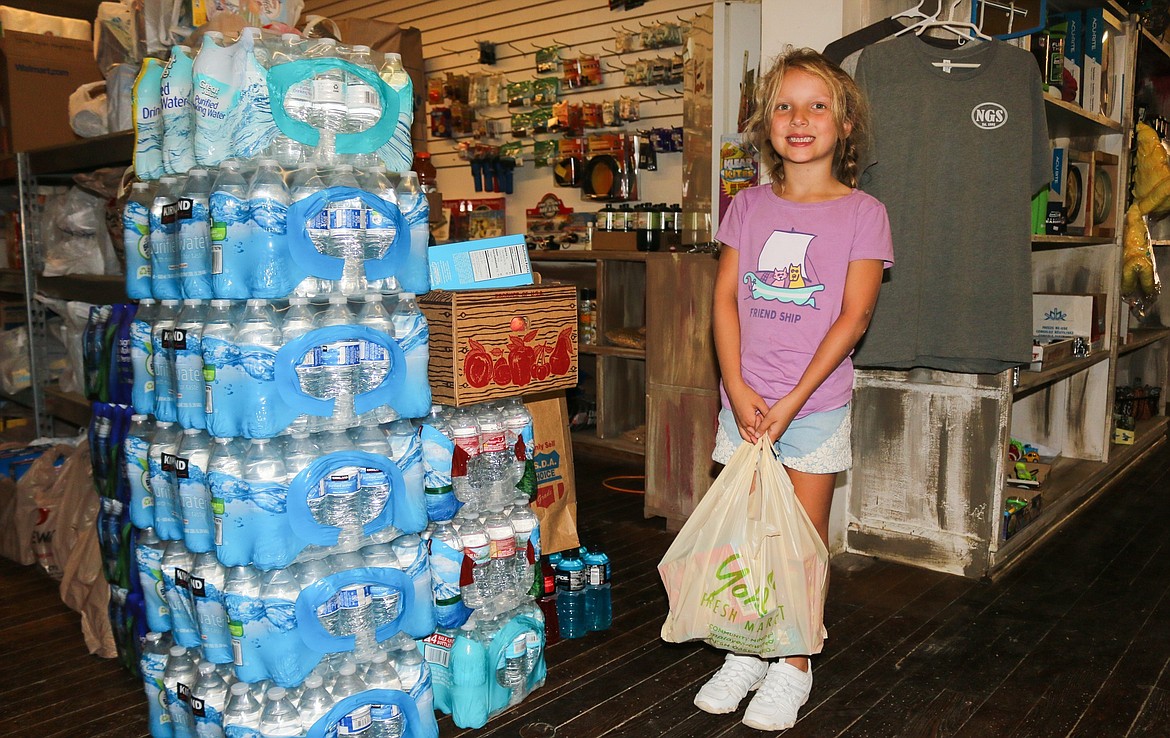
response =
{"points": [[958, 156]]}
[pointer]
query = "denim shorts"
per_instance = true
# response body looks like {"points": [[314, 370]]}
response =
{"points": [[816, 444]]}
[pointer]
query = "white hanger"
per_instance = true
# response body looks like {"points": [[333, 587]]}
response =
{"points": [[965, 30]]}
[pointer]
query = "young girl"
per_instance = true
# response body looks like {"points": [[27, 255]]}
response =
{"points": [[784, 344]]}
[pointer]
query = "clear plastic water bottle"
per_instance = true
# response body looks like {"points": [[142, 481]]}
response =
{"points": [[384, 605], [179, 677], [412, 201], [153, 663], [136, 463], [399, 151], [524, 523], [168, 523], [306, 181], [148, 554], [258, 327], [375, 361], [339, 497], [347, 227], [268, 201], [229, 229], [194, 495], [408, 662], [598, 600], [280, 717], [194, 234], [208, 701], [349, 683], [241, 719], [219, 328], [501, 568], [379, 233], [328, 109], [518, 433], [136, 237], [142, 357], [477, 549], [388, 720], [532, 647], [241, 596], [465, 435], [571, 595], [187, 344], [313, 570], [164, 239], [207, 582], [177, 563], [299, 101], [299, 452], [511, 674], [362, 104], [259, 46], [264, 463], [338, 364], [355, 616], [494, 467], [162, 334], [315, 702], [373, 485], [225, 462]]}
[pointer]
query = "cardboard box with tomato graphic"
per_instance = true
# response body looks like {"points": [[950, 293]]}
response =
{"points": [[490, 344]]}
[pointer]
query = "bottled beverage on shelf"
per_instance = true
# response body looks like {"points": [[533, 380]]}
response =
{"points": [[363, 107], [179, 677], [355, 614], [148, 555], [142, 357], [241, 597], [225, 467], [279, 718], [268, 201], [315, 702], [513, 672], [373, 485], [299, 452], [412, 201], [258, 327], [187, 344], [306, 182], [152, 664], [411, 333], [501, 569], [337, 365], [162, 337], [312, 570], [265, 472], [328, 109], [346, 232], [349, 683], [398, 152], [208, 701], [598, 600], [379, 233], [219, 329], [547, 600], [525, 524], [384, 600], [193, 493], [177, 563], [387, 720], [408, 662], [136, 237], [477, 549], [259, 47], [136, 458], [168, 525], [164, 239], [424, 169], [229, 232], [465, 435], [494, 467], [299, 99], [207, 582], [374, 360], [338, 501], [518, 430], [194, 234], [571, 595], [446, 559], [241, 719]]}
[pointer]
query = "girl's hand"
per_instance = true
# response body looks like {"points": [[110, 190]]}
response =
{"points": [[748, 407], [778, 418]]}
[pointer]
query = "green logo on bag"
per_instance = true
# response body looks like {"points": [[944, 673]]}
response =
{"points": [[734, 576]]}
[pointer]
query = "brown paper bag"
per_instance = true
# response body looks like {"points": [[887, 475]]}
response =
{"points": [[556, 488]]}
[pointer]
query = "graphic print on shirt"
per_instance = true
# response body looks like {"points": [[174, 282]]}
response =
{"points": [[784, 271]]}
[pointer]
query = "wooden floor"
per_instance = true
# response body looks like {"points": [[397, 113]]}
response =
{"points": [[1075, 641]]}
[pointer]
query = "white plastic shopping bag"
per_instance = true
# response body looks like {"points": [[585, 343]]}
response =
{"points": [[747, 572]]}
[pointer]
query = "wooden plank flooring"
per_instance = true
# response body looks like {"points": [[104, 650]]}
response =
{"points": [[1075, 641]]}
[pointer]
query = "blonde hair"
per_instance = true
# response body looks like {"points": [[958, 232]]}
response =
{"points": [[849, 105]]}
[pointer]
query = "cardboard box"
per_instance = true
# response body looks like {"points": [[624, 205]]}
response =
{"points": [[615, 241], [489, 344], [1074, 52], [39, 75], [1035, 474], [1048, 355], [1057, 316], [486, 263], [1094, 30], [556, 493]]}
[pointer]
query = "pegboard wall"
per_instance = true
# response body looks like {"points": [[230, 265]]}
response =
{"points": [[452, 31]]}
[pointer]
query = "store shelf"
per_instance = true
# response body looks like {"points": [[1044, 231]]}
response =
{"points": [[1052, 242], [1032, 381], [620, 352], [98, 289], [67, 406], [587, 255], [1072, 482], [90, 153], [1067, 119], [1140, 337], [587, 442]]}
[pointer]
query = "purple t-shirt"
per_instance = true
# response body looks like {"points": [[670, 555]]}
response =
{"points": [[793, 259]]}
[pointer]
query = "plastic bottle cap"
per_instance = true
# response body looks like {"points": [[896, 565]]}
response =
{"points": [[373, 297], [140, 186], [336, 300], [347, 669], [257, 303], [154, 637], [170, 303], [178, 650], [360, 49], [221, 303], [150, 301], [405, 295], [206, 668], [379, 657], [192, 302], [327, 41], [298, 301], [239, 688], [168, 178], [196, 171], [290, 37], [276, 693], [134, 419], [313, 681], [190, 431]]}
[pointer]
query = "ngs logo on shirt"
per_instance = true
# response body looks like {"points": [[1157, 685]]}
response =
{"points": [[988, 115]]}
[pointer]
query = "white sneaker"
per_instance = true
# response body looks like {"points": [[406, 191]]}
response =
{"points": [[785, 690], [739, 675]]}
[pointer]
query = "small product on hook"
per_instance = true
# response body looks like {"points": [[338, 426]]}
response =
{"points": [[487, 52], [548, 58]]}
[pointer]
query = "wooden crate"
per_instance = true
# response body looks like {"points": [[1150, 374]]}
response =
{"points": [[490, 344]]}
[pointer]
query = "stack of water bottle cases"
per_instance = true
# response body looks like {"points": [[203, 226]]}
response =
{"points": [[303, 516]]}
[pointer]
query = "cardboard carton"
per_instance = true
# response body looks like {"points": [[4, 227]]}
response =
{"points": [[489, 344], [39, 73], [488, 262], [1058, 316]]}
